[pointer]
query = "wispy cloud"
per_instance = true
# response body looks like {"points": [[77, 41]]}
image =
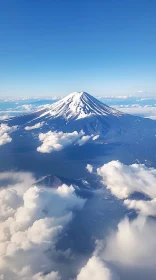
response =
{"points": [[36, 126]]}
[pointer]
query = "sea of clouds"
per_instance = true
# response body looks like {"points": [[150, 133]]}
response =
{"points": [[32, 218]]}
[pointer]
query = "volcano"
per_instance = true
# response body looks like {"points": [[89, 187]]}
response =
{"points": [[79, 105], [81, 111]]}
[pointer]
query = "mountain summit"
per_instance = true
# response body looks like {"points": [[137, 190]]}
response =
{"points": [[79, 105]]}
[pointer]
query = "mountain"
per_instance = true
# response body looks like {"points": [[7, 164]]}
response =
{"points": [[79, 105], [81, 111]]}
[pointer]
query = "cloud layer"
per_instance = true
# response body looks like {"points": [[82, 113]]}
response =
{"points": [[31, 220], [28, 245], [142, 111], [5, 131]]}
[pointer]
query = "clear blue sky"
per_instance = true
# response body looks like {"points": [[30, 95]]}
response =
{"points": [[54, 47]]}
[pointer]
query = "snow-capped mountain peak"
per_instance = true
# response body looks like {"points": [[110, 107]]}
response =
{"points": [[79, 105], [79, 111]]}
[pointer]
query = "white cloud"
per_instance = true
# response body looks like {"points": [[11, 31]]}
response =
{"points": [[151, 117], [37, 125], [96, 137], [133, 244], [129, 249], [123, 180], [27, 107], [147, 208], [83, 140], [95, 269], [31, 219], [89, 167], [4, 117], [56, 141], [5, 130], [51, 276], [143, 111]]}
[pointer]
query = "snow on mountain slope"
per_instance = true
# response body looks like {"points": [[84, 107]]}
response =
{"points": [[79, 105]]}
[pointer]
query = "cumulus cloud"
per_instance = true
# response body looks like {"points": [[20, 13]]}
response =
{"points": [[130, 250], [31, 219], [123, 180], [133, 244], [147, 208], [37, 125], [56, 141], [5, 131], [89, 167], [96, 269]]}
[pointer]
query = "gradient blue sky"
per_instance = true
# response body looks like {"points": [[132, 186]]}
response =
{"points": [[54, 47]]}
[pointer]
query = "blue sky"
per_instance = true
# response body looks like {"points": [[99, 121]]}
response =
{"points": [[54, 47]]}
